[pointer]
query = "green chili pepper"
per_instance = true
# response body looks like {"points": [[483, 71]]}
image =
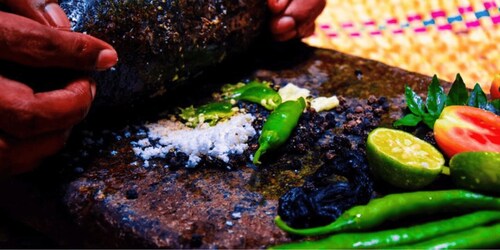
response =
{"points": [[211, 113], [480, 237], [254, 91], [279, 126], [399, 236], [238, 88], [395, 206]]}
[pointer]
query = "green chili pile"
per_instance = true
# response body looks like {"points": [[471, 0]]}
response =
{"points": [[400, 236], [470, 230], [276, 129], [480, 237]]}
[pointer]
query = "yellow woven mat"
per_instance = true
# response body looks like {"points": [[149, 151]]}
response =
{"points": [[442, 37]]}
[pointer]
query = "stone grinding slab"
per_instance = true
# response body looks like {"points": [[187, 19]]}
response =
{"points": [[115, 201]]}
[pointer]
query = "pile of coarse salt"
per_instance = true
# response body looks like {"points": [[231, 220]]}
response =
{"points": [[221, 140]]}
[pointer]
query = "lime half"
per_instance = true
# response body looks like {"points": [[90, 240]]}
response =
{"points": [[402, 159]]}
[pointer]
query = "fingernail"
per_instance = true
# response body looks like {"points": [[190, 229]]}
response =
{"points": [[107, 58], [56, 16]]}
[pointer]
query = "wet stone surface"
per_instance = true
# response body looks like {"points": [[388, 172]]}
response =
{"points": [[119, 201]]}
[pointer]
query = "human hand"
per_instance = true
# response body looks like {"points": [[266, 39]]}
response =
{"points": [[294, 18], [33, 125]]}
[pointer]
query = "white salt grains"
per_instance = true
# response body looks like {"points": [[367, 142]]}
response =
{"points": [[221, 140]]}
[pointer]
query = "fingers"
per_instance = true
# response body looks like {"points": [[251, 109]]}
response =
{"points": [[22, 155], [285, 28], [285, 36], [305, 12], [282, 25], [293, 18], [27, 42], [36, 125], [306, 29], [46, 12], [277, 6], [25, 114]]}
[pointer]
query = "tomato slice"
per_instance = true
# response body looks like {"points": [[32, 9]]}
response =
{"points": [[495, 87], [464, 129]]}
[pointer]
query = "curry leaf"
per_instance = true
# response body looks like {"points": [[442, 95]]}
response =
{"points": [[436, 98], [494, 106], [477, 98], [496, 103], [408, 120], [458, 93], [429, 120], [414, 101]]}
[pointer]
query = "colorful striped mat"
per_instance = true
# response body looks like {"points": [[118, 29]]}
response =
{"points": [[442, 37]]}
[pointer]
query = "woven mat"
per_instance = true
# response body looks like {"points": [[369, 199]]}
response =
{"points": [[442, 37]]}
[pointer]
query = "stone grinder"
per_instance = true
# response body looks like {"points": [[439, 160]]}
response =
{"points": [[164, 44]]}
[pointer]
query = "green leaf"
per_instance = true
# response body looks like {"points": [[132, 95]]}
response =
{"points": [[414, 101], [429, 120], [436, 98], [458, 93], [477, 98], [494, 106], [410, 120], [496, 103]]}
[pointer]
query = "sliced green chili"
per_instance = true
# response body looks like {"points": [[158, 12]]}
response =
{"points": [[399, 236], [395, 206], [278, 126], [479, 237], [211, 113], [254, 91], [237, 89]]}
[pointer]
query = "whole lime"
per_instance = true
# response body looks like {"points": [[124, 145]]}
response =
{"points": [[476, 171]]}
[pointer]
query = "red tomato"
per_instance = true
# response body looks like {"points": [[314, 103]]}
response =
{"points": [[463, 129], [495, 87]]}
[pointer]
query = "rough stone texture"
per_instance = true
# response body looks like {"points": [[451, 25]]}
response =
{"points": [[117, 202], [164, 43], [206, 208]]}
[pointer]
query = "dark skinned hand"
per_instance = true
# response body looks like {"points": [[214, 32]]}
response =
{"points": [[294, 18], [33, 125]]}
